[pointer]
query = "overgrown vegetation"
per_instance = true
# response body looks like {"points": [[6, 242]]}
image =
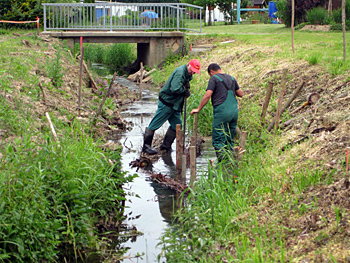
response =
{"points": [[118, 55], [54, 194]]}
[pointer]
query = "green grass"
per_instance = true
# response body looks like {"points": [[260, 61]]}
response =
{"points": [[52, 194], [252, 219]]}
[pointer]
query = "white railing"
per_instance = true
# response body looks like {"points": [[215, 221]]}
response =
{"points": [[122, 16]]}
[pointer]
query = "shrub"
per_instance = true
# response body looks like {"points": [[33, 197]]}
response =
{"points": [[317, 16], [54, 69], [301, 6]]}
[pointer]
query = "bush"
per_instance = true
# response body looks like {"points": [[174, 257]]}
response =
{"points": [[317, 16], [284, 8]]}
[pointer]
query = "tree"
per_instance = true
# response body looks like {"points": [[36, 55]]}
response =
{"points": [[203, 3], [226, 6]]}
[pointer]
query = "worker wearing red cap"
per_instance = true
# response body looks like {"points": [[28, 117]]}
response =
{"points": [[222, 89], [170, 103]]}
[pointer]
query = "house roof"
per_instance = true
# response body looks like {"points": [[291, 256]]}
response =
{"points": [[259, 2]]}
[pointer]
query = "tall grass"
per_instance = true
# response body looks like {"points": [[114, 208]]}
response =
{"points": [[52, 195], [223, 218], [117, 55]]}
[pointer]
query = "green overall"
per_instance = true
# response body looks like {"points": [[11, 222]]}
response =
{"points": [[225, 121]]}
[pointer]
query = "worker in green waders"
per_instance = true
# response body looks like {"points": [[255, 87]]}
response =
{"points": [[170, 103], [222, 89]]}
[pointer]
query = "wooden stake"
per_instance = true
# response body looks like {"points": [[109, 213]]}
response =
{"points": [[42, 90], [80, 78], [195, 125], [292, 25], [70, 53], [280, 99], [347, 159], [141, 78], [344, 29], [90, 76], [106, 95], [51, 126], [183, 168], [179, 149], [288, 103], [193, 165], [267, 101], [244, 135]]}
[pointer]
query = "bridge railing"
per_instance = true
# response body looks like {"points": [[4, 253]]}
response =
{"points": [[122, 16]]}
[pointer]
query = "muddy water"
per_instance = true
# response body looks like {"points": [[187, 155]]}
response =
{"points": [[149, 208]]}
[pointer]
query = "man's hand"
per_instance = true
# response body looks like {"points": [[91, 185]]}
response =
{"points": [[194, 111]]}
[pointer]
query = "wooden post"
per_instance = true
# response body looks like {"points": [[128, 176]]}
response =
{"points": [[280, 99], [183, 168], [192, 165], [51, 126], [141, 78], [90, 76], [88, 63], [195, 130], [347, 159], [244, 135], [179, 149], [267, 101], [344, 29], [80, 78], [42, 90], [285, 106], [70, 54], [292, 25], [106, 95]]}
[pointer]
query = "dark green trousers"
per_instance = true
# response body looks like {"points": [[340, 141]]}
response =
{"points": [[225, 122], [163, 114]]}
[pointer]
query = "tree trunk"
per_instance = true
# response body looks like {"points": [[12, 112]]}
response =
{"points": [[330, 7], [292, 25], [344, 28], [209, 20]]}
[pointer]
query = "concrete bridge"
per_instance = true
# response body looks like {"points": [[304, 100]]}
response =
{"points": [[156, 28], [152, 47]]}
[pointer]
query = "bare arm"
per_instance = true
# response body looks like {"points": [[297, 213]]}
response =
{"points": [[203, 102], [239, 93]]}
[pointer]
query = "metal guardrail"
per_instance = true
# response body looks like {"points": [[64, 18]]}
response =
{"points": [[122, 16]]}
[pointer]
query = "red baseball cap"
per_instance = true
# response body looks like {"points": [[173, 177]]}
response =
{"points": [[195, 65]]}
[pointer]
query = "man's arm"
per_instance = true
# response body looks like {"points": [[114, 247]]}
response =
{"points": [[239, 93], [177, 84], [203, 102]]}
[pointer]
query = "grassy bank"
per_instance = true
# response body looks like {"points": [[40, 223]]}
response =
{"points": [[289, 200], [56, 195]]}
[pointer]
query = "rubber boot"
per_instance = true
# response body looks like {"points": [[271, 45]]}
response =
{"points": [[147, 142], [168, 140], [219, 154]]}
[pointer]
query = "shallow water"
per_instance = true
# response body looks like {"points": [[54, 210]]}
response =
{"points": [[152, 209]]}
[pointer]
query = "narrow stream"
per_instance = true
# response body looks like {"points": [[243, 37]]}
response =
{"points": [[149, 207]]}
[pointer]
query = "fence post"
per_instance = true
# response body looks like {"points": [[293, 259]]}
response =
{"points": [[178, 17], [44, 18], [110, 19]]}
